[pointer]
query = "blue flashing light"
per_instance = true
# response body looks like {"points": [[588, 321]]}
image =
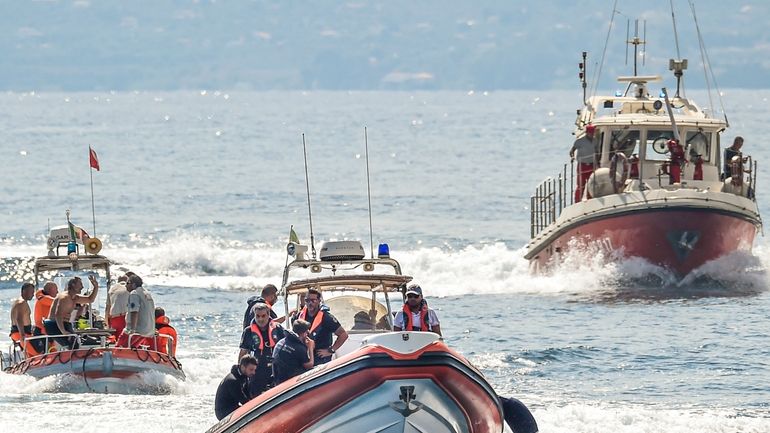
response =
{"points": [[383, 251], [72, 247], [618, 93], [662, 94]]}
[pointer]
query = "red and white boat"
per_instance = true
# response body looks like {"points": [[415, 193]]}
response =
{"points": [[635, 203], [379, 380], [96, 365]]}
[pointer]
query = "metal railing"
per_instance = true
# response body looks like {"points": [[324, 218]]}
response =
{"points": [[550, 199]]}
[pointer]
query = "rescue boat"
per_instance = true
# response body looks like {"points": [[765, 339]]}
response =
{"points": [[379, 380], [657, 189], [95, 365]]}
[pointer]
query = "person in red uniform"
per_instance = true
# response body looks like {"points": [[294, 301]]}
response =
{"points": [[677, 161]]}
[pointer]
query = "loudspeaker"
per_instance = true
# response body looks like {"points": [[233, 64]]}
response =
{"points": [[93, 246]]}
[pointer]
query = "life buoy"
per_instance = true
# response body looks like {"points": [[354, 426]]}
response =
{"points": [[616, 186]]}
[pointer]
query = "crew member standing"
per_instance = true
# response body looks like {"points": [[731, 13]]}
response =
{"points": [[730, 152], [293, 355], [268, 295], [117, 305], [586, 148], [259, 339], [140, 319], [167, 336], [323, 325], [21, 325], [416, 316]]}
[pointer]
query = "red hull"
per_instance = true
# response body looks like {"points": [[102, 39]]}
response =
{"points": [[317, 394], [679, 239]]}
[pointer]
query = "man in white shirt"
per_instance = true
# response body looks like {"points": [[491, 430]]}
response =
{"points": [[416, 316], [140, 319], [117, 305]]}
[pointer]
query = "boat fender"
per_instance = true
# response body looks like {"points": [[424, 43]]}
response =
{"points": [[107, 363], [517, 416]]}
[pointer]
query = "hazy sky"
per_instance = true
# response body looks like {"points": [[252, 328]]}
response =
{"points": [[363, 44]]}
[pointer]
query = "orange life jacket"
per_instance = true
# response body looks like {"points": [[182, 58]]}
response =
{"points": [[316, 321], [270, 328], [42, 308], [409, 326], [162, 326]]}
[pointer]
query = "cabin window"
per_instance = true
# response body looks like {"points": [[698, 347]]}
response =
{"points": [[656, 145], [698, 144], [625, 141]]}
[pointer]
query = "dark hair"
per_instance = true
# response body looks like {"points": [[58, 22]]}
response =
{"points": [[299, 326], [268, 290], [123, 278], [136, 281], [71, 283], [247, 360], [159, 312], [312, 291], [27, 286]]}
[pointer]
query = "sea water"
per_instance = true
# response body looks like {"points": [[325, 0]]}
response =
{"points": [[198, 190]]}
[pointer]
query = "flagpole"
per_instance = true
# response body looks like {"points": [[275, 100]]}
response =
{"points": [[91, 172]]}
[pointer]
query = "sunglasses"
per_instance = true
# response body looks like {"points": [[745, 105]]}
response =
{"points": [[412, 295], [311, 299]]}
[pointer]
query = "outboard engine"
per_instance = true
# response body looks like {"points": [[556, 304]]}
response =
{"points": [[517, 416]]}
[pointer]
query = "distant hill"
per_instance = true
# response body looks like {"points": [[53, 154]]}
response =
{"points": [[363, 44]]}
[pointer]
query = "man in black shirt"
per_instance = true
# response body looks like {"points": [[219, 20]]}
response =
{"points": [[269, 296], [259, 339], [293, 355], [322, 326], [233, 391], [730, 152]]}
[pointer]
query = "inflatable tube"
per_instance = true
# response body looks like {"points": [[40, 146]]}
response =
{"points": [[517, 416]]}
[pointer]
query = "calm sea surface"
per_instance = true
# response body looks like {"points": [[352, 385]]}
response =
{"points": [[198, 191]]}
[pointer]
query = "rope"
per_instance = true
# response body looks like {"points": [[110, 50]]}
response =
{"points": [[676, 35], [597, 77], [85, 377], [707, 64]]}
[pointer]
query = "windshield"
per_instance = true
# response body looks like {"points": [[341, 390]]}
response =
{"points": [[358, 313]]}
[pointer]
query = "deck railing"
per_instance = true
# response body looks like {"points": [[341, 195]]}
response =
{"points": [[550, 198]]}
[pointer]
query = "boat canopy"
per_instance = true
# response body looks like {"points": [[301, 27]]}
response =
{"points": [[359, 283], [82, 263]]}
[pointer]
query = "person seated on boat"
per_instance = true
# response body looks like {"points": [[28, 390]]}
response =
{"points": [[58, 322], [233, 391], [416, 316], [587, 149], [21, 324], [259, 339], [730, 152], [43, 302], [117, 305], [362, 321], [294, 354], [269, 296], [140, 318], [323, 326], [164, 330]]}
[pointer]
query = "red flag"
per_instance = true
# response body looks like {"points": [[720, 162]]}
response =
{"points": [[94, 159]]}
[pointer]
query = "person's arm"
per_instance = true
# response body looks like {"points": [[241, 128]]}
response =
{"points": [[436, 329], [133, 319], [310, 349], [107, 310], [342, 337], [398, 322], [241, 353], [92, 297], [17, 319], [435, 325]]}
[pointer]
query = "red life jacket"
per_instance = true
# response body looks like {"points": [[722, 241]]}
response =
{"points": [[408, 326], [316, 321], [258, 332]]}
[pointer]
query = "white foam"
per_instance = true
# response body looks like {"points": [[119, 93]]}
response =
{"points": [[192, 260]]}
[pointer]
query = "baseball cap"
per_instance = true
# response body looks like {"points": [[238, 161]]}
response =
{"points": [[414, 288]]}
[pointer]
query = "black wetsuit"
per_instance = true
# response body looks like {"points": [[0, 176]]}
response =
{"points": [[232, 393]]}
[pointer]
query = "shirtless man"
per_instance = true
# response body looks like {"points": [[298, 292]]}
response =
{"points": [[63, 306], [21, 323]]}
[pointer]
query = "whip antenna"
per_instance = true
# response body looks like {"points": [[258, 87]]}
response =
{"points": [[369, 194], [307, 187]]}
